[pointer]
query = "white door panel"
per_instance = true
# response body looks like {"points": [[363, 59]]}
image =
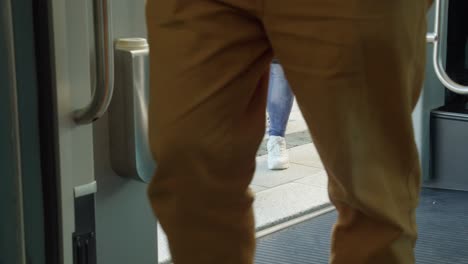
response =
{"points": [[72, 81], [125, 225]]}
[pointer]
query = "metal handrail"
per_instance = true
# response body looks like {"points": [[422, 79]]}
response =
{"points": [[435, 38], [104, 86]]}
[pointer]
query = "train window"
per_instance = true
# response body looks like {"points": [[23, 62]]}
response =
{"points": [[457, 49]]}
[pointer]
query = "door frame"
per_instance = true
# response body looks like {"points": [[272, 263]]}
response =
{"points": [[47, 128], [12, 244], [21, 155]]}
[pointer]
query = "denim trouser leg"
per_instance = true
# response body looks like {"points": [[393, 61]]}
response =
{"points": [[280, 101]]}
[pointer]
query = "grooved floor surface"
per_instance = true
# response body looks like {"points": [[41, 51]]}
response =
{"points": [[443, 234]]}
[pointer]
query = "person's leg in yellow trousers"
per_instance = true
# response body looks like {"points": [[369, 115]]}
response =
{"points": [[356, 67]]}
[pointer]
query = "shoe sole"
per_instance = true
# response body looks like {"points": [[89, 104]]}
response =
{"points": [[278, 166]]}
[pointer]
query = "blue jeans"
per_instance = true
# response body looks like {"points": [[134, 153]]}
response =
{"points": [[280, 101]]}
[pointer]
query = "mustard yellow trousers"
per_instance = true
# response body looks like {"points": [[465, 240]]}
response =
{"points": [[356, 68]]}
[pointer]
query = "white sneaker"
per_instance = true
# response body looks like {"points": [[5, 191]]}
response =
{"points": [[278, 156]]}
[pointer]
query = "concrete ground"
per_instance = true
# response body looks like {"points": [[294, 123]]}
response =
{"points": [[282, 195]]}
